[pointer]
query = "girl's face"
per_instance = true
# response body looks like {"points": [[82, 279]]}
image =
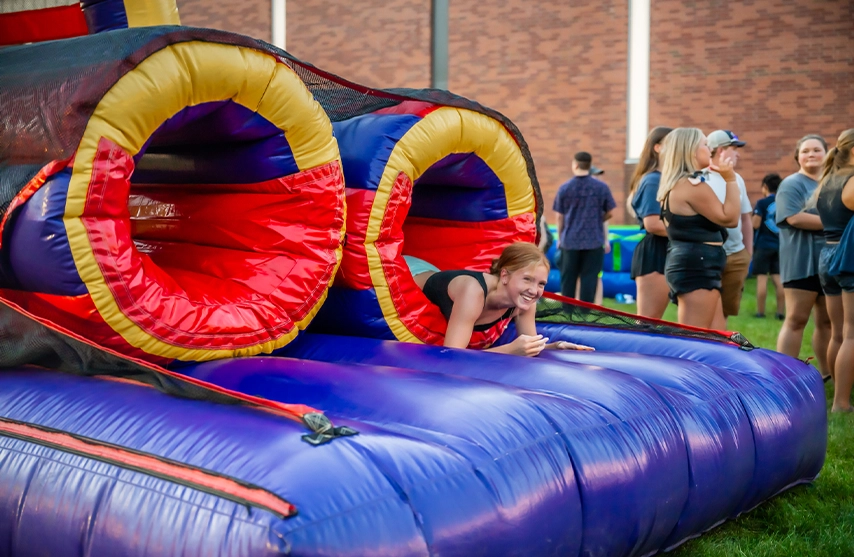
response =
{"points": [[703, 155], [525, 286], [810, 155]]}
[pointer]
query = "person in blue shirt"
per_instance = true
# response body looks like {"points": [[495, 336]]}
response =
{"points": [[583, 205], [651, 252], [766, 246]]}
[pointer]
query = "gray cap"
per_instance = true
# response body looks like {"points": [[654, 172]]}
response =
{"points": [[724, 138]]}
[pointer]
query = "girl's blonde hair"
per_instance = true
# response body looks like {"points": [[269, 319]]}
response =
{"points": [[678, 158], [518, 256], [838, 157], [647, 163]]}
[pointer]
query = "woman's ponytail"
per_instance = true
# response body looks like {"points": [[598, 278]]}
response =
{"points": [[838, 157]]}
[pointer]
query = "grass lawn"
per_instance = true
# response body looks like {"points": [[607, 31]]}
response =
{"points": [[815, 520]]}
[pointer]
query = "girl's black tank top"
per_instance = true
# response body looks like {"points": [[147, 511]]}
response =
{"points": [[436, 290]]}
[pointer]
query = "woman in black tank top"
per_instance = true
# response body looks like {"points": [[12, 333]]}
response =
{"points": [[835, 204], [474, 301], [696, 221]]}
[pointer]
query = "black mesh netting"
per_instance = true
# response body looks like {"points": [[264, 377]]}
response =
{"points": [[48, 91], [557, 309]]}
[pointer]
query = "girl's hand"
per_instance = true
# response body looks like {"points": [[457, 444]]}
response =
{"points": [[566, 345], [726, 168], [528, 345]]}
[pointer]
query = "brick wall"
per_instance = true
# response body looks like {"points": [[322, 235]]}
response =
{"points": [[379, 43], [557, 69], [249, 17], [771, 70]]}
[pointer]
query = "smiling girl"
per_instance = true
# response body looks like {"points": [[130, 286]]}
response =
{"points": [[801, 240], [474, 301]]}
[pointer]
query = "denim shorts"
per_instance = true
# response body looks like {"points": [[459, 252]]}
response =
{"points": [[828, 283]]}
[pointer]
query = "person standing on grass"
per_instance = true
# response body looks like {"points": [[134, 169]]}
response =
{"points": [[801, 240], [696, 223], [766, 247], [835, 205], [738, 245], [597, 299], [583, 205], [651, 252]]}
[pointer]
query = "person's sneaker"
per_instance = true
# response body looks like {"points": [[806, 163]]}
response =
{"points": [[760, 315], [781, 316]]}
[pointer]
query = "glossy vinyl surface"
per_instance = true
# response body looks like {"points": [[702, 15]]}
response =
{"points": [[752, 421]]}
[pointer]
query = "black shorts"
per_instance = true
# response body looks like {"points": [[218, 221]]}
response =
{"points": [[766, 261], [650, 255], [693, 266], [811, 284]]}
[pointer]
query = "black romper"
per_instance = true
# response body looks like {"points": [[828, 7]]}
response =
{"points": [[436, 290], [692, 264]]}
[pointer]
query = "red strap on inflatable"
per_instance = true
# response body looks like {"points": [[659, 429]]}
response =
{"points": [[296, 412], [153, 465]]}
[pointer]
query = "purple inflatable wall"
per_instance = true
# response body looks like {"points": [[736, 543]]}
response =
{"points": [[459, 452]]}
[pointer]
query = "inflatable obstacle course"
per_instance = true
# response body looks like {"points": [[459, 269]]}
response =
{"points": [[447, 185], [659, 435], [195, 212]]}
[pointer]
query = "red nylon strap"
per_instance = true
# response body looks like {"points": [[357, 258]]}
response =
{"points": [[197, 478], [415, 108], [291, 411]]}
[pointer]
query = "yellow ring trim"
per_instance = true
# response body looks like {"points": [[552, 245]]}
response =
{"points": [[171, 79], [443, 132], [146, 13]]}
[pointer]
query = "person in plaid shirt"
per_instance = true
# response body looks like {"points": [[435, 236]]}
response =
{"points": [[583, 205]]}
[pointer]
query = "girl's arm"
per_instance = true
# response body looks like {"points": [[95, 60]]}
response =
{"points": [[790, 209], [704, 202], [805, 221], [848, 194], [654, 225], [526, 325], [528, 342], [468, 304]]}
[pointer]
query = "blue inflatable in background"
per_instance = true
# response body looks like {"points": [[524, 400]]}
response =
{"points": [[616, 275]]}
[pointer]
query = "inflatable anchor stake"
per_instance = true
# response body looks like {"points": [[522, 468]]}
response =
{"points": [[742, 341], [323, 429]]}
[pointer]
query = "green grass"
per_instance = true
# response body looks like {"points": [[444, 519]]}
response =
{"points": [[816, 519]]}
